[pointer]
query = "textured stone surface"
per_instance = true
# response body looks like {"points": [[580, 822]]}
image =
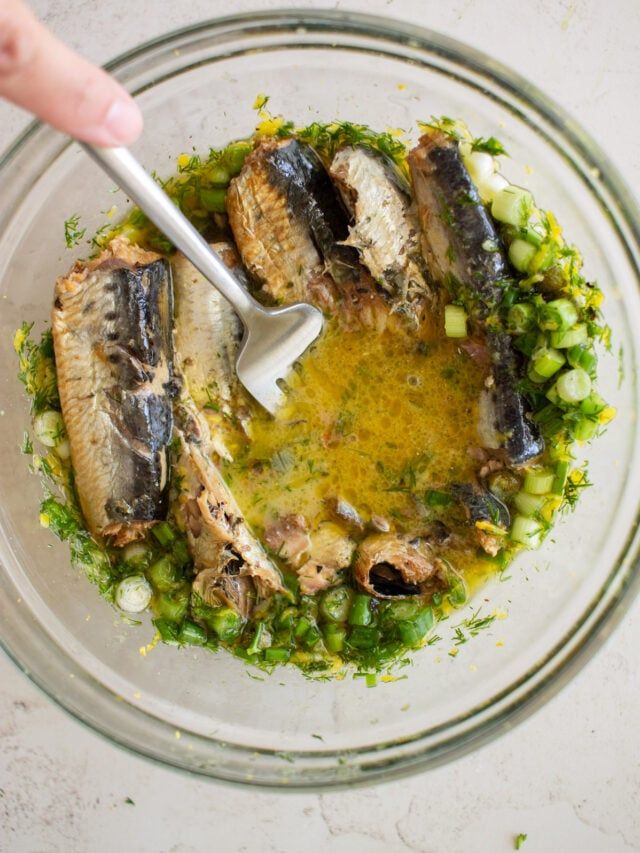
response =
{"points": [[569, 776]]}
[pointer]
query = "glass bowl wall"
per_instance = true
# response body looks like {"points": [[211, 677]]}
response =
{"points": [[204, 713]]}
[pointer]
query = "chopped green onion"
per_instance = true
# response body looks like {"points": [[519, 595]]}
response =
{"points": [[526, 343], [133, 594], [583, 357], [169, 631], [302, 626], [48, 428], [570, 338], [404, 608], [180, 553], [534, 376], [585, 429], [162, 574], [276, 655], [512, 205], [261, 639], [286, 618], [173, 606], [361, 610], [457, 594], [552, 396], [521, 318], [593, 404], [532, 235], [538, 481], [559, 315], [371, 679], [218, 176], [192, 634], [415, 630], [546, 361], [527, 504], [311, 637], [455, 321], [235, 155], [336, 603], [364, 637], [526, 531], [334, 637], [521, 253], [214, 199], [136, 554], [574, 385], [226, 623], [560, 478], [164, 533]]}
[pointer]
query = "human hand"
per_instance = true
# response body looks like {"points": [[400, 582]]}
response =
{"points": [[41, 74]]}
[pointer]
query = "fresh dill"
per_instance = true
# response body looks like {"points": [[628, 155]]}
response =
{"points": [[73, 234], [491, 145]]}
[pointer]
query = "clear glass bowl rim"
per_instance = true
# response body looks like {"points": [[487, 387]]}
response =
{"points": [[425, 749]]}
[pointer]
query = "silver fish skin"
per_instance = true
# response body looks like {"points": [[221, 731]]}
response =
{"points": [[236, 567], [464, 252], [111, 322], [208, 333], [385, 230], [288, 221]]}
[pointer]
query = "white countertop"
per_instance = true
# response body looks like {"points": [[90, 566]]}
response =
{"points": [[569, 776]]}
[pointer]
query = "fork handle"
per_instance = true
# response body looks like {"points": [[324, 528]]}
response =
{"points": [[129, 175]]}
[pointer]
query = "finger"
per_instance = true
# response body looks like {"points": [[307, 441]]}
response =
{"points": [[42, 75]]}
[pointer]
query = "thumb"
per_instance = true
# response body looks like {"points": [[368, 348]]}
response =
{"points": [[42, 75]]}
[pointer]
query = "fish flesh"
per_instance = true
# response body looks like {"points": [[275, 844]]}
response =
{"points": [[208, 333], [288, 537], [388, 565], [112, 334], [207, 330], [237, 570], [289, 222], [464, 252], [330, 553], [316, 556], [385, 230]]}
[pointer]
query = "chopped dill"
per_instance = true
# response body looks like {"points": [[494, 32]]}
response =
{"points": [[491, 145], [73, 234]]}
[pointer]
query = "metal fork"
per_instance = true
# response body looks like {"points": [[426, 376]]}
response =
{"points": [[274, 338]]}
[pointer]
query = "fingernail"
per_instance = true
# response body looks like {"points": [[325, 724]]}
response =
{"points": [[123, 122]]}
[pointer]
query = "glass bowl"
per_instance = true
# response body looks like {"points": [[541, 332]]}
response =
{"points": [[209, 714]]}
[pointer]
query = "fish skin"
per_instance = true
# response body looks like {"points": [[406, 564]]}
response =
{"points": [[219, 539], [482, 505], [287, 221], [208, 333], [464, 251], [298, 171], [111, 324], [385, 230]]}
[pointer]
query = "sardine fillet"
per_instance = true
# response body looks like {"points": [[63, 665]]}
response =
{"points": [[385, 232], [464, 252], [113, 345], [274, 244], [207, 339], [220, 540]]}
